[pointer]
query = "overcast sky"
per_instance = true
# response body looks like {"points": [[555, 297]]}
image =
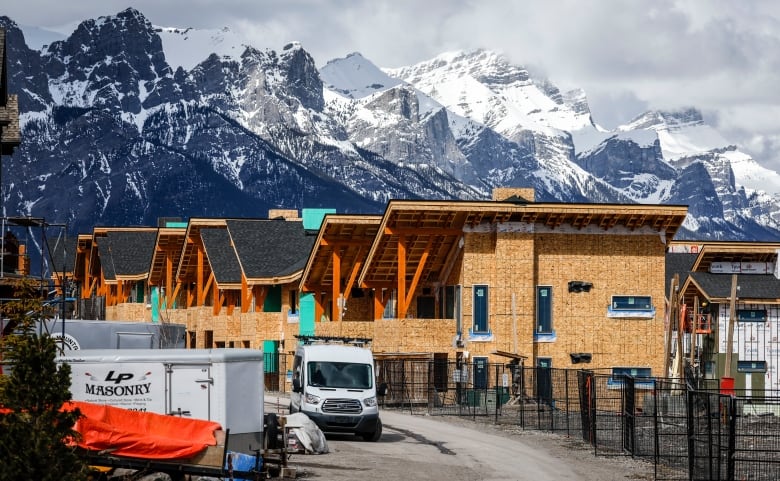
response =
{"points": [[721, 56]]}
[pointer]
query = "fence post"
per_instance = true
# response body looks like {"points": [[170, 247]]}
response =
{"points": [[732, 433], [628, 391], [691, 444], [656, 434], [568, 408]]}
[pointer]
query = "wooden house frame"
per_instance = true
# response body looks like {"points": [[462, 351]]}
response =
{"points": [[423, 249], [717, 282]]}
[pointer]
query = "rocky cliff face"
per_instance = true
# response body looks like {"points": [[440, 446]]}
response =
{"points": [[112, 135]]}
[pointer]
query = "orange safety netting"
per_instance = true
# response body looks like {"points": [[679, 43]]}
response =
{"points": [[140, 434]]}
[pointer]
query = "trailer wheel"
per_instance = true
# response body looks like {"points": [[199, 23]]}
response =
{"points": [[271, 432], [374, 436]]}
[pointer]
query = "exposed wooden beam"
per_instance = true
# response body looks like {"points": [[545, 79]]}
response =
{"points": [[407, 298], [219, 299], [401, 276], [422, 231], [246, 294], [730, 332], [335, 294], [352, 276], [201, 289]]}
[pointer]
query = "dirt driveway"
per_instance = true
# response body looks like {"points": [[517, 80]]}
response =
{"points": [[454, 449]]}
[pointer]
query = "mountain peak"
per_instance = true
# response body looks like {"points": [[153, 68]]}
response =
{"points": [[666, 119], [355, 76]]}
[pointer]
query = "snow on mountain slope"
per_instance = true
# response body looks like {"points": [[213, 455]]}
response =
{"points": [[588, 139], [749, 174], [187, 47], [483, 86], [683, 134], [355, 77]]}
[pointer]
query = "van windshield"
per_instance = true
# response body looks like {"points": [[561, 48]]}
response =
{"points": [[347, 375]]}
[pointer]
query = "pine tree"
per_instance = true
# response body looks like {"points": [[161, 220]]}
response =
{"points": [[34, 430]]}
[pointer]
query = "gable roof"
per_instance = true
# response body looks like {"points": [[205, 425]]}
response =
{"points": [[270, 251], [752, 287], [125, 254], [168, 247], [696, 278], [432, 229], [349, 236]]}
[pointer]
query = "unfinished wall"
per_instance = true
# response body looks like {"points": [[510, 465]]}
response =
{"points": [[615, 265]]}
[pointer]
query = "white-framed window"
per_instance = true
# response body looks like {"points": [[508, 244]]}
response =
{"points": [[642, 377], [631, 306]]}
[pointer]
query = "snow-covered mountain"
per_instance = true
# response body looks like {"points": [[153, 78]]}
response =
{"points": [[125, 122]]}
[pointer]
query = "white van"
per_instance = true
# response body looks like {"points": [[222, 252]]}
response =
{"points": [[334, 385]]}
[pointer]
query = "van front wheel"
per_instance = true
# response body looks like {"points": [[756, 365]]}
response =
{"points": [[374, 436]]}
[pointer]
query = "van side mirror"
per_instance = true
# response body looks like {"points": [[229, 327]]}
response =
{"points": [[297, 385]]}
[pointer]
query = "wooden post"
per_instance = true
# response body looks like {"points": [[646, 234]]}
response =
{"points": [[672, 314], [680, 344], [694, 325], [730, 332], [514, 324]]}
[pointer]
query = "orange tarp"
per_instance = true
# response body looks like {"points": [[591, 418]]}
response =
{"points": [[139, 434]]}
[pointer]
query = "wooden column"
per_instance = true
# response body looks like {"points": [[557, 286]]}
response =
{"points": [[336, 286], [730, 331]]}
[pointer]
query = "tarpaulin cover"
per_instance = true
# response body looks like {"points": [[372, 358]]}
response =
{"points": [[141, 434]]}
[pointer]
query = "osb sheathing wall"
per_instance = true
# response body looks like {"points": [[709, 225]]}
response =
{"points": [[238, 327], [129, 312], [505, 263], [396, 335], [515, 263], [615, 265]]}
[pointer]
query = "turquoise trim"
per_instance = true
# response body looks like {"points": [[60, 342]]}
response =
{"points": [[306, 314], [155, 300], [312, 218]]}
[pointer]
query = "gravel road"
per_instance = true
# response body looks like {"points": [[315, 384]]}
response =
{"points": [[456, 449]]}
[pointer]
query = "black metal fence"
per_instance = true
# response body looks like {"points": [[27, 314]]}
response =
{"points": [[685, 432]]}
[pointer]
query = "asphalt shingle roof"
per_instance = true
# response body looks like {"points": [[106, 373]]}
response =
{"points": [[270, 248], [678, 263], [754, 286], [106, 263], [63, 254], [129, 253], [222, 256]]}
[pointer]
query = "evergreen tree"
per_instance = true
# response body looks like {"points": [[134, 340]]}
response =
{"points": [[34, 430]]}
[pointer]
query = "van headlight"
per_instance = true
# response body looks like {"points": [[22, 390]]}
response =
{"points": [[312, 399], [370, 401]]}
